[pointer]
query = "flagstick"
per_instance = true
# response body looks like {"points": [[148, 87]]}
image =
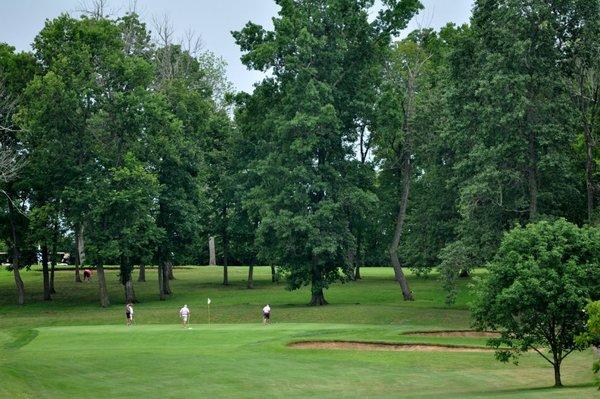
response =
{"points": [[208, 314]]}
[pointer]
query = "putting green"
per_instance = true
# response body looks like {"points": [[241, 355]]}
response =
{"points": [[252, 360]]}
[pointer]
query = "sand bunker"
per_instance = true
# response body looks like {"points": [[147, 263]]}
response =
{"points": [[455, 333], [380, 346]]}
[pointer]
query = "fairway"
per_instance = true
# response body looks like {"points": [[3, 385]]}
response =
{"points": [[70, 348]]}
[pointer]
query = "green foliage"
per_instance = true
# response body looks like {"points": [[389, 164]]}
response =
{"points": [[538, 284], [123, 218], [419, 62], [454, 260], [323, 55], [115, 144], [591, 336]]}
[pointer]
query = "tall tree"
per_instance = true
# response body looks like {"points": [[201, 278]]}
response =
{"points": [[397, 138], [321, 54], [16, 70], [512, 133], [123, 221], [77, 58], [582, 44], [184, 161]]}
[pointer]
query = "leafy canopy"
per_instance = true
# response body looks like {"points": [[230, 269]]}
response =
{"points": [[537, 287]]}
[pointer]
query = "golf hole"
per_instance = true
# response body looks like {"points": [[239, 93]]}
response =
{"points": [[379, 346]]}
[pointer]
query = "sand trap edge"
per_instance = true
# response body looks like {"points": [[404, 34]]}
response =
{"points": [[385, 346], [453, 333]]}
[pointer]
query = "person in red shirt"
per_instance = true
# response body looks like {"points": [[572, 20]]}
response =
{"points": [[87, 275]]}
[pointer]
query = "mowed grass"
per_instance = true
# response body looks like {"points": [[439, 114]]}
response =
{"points": [[71, 348]]}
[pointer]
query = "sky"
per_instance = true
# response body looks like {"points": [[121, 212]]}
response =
{"points": [[212, 20]]}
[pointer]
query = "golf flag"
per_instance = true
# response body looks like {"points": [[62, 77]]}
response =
{"points": [[208, 302]]}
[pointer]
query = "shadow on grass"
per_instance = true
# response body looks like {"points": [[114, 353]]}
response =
{"points": [[549, 389], [21, 338]]}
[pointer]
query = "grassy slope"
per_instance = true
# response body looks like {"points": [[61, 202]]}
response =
{"points": [[72, 348]]}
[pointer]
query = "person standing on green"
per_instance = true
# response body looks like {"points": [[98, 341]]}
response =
{"points": [[184, 313], [129, 313]]}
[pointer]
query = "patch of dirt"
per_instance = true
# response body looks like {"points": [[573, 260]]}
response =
{"points": [[455, 333], [379, 346]]}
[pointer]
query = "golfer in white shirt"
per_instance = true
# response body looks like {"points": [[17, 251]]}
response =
{"points": [[266, 314], [184, 313]]}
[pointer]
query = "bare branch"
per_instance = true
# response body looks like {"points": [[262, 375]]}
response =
{"points": [[11, 164], [192, 43], [164, 30], [95, 9], [542, 355]]}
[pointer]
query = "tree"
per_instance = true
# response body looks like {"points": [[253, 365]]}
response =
{"points": [[43, 224], [45, 104], [321, 54], [397, 139], [94, 104], [591, 336], [192, 159], [583, 80], [78, 58], [123, 221], [220, 177], [513, 132], [16, 70], [538, 283]]}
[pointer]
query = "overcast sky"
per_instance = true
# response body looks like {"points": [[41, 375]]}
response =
{"points": [[213, 20]]}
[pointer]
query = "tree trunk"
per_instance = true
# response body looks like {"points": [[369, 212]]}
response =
{"points": [[104, 302], [225, 275], [53, 264], [409, 111], [316, 288], [170, 274], [129, 292], [80, 256], [212, 253], [589, 171], [557, 381], [166, 284], [532, 176], [274, 277], [358, 256], [45, 273], [16, 260], [317, 298], [250, 284], [52, 269], [225, 250], [351, 259], [161, 287], [142, 275], [393, 250], [19, 284]]}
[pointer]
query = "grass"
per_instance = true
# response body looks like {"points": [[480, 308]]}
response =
{"points": [[71, 348]]}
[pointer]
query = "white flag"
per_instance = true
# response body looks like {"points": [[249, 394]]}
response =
{"points": [[208, 301]]}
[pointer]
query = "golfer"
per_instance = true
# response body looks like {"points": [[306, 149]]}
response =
{"points": [[87, 275], [129, 313], [266, 314], [184, 313]]}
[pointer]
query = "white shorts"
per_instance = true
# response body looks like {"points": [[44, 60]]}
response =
{"points": [[184, 318]]}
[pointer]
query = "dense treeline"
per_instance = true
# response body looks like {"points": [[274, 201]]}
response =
{"points": [[115, 133], [358, 149]]}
